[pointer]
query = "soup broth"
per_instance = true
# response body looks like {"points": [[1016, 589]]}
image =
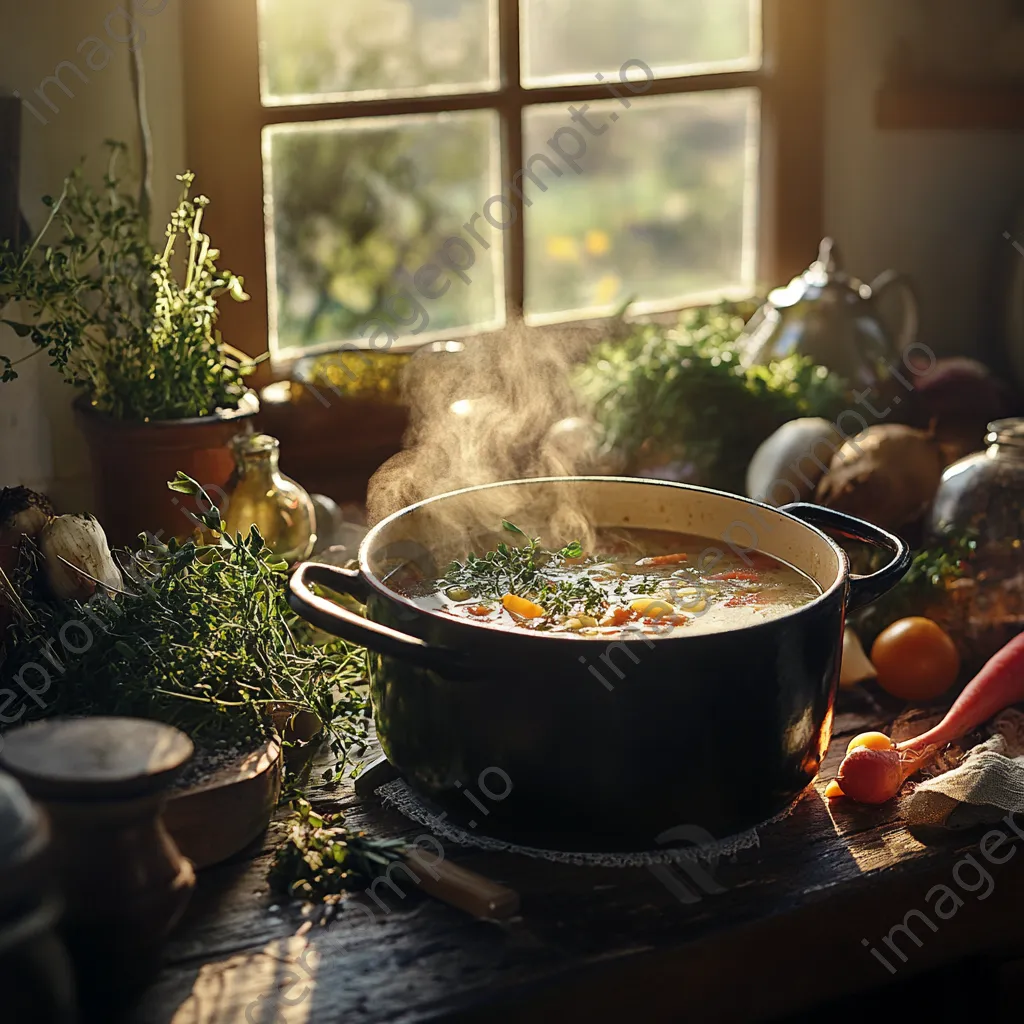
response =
{"points": [[632, 581]]}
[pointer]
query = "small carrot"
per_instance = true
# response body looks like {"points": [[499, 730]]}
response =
{"points": [[739, 600], [738, 574], [663, 560], [874, 776], [998, 685]]}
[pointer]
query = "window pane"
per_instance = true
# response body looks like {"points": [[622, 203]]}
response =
{"points": [[572, 40], [315, 50], [357, 208], [662, 207]]}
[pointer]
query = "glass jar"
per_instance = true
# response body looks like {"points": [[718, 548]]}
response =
{"points": [[981, 497], [265, 498]]}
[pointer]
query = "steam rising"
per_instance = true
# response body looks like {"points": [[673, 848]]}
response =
{"points": [[503, 408]]}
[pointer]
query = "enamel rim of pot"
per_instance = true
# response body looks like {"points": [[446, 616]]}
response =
{"points": [[794, 533]]}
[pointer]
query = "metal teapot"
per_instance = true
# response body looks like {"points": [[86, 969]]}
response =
{"points": [[834, 319]]}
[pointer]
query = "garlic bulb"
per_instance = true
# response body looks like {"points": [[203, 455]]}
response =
{"points": [[856, 665], [81, 541]]}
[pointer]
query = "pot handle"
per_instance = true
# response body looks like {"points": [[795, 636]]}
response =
{"points": [[863, 589], [375, 636]]}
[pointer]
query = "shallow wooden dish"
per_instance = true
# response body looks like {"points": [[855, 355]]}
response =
{"points": [[215, 819]]}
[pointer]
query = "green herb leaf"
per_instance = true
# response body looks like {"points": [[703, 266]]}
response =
{"points": [[21, 330], [573, 550]]}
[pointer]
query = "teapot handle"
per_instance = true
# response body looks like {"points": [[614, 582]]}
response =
{"points": [[888, 280]]}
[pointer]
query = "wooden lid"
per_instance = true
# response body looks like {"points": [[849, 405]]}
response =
{"points": [[95, 758]]}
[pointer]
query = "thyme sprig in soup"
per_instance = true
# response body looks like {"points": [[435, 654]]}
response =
{"points": [[629, 580]]}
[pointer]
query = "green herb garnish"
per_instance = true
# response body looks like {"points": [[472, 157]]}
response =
{"points": [[527, 571], [321, 858], [568, 597], [505, 570]]}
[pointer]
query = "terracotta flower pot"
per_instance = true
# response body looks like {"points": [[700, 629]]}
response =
{"points": [[132, 463]]}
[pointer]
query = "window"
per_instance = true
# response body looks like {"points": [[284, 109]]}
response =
{"points": [[437, 167]]}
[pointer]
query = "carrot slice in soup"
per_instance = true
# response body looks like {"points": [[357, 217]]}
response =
{"points": [[521, 607], [664, 559]]}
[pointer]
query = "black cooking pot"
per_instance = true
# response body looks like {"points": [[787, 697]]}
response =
{"points": [[568, 739]]}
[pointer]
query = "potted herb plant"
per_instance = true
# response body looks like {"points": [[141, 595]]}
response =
{"points": [[134, 325]]}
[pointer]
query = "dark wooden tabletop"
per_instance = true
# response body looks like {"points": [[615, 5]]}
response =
{"points": [[795, 923]]}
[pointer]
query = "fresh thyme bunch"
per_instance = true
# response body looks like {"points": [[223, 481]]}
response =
{"points": [[110, 311], [321, 858], [202, 638]]}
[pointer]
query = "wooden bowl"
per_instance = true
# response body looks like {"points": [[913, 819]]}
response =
{"points": [[215, 819]]}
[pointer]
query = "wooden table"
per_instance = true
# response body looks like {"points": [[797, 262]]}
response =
{"points": [[785, 933]]}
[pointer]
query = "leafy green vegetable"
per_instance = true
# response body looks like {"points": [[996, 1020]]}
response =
{"points": [[321, 858], [109, 311], [205, 640], [681, 394]]}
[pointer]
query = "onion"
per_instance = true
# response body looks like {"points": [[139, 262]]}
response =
{"points": [[789, 464]]}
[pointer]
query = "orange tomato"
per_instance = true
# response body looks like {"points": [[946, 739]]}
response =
{"points": [[833, 790], [916, 659]]}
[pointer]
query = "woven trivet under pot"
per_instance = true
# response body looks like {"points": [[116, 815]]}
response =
{"points": [[701, 846]]}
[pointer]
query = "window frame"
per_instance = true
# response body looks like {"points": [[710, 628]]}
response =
{"points": [[225, 117]]}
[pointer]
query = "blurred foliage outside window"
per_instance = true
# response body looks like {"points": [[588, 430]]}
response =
{"points": [[663, 209]]}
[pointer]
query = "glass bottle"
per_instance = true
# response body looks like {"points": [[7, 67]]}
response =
{"points": [[264, 497], [982, 497]]}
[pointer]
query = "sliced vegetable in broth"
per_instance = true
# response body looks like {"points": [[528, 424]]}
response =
{"points": [[634, 580]]}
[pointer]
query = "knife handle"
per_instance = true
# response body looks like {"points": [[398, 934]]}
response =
{"points": [[461, 888]]}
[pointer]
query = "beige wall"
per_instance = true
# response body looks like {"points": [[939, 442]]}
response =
{"points": [[39, 445], [933, 204]]}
